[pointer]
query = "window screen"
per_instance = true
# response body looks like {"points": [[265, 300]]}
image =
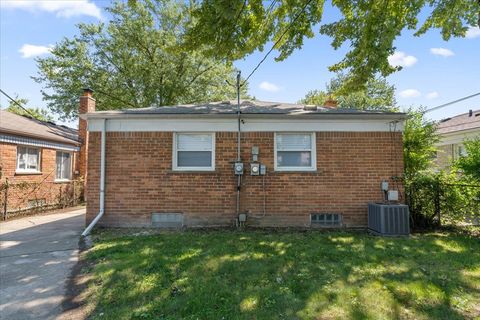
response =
{"points": [[28, 159], [63, 166], [194, 151], [294, 150]]}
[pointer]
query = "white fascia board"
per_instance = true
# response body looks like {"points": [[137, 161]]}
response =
{"points": [[26, 141], [458, 137], [248, 125]]}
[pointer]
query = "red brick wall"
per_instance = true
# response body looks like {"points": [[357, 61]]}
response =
{"points": [[140, 180], [43, 185], [87, 104]]}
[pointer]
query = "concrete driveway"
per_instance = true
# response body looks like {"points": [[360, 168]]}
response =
{"points": [[36, 257]]}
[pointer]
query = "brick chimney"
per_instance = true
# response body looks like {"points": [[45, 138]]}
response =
{"points": [[87, 104], [330, 103]]}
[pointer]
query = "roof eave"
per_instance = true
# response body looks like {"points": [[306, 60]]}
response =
{"points": [[39, 137], [330, 115], [461, 131]]}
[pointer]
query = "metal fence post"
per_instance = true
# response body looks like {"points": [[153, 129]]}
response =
{"points": [[5, 202], [60, 198], [74, 202], [437, 201]]}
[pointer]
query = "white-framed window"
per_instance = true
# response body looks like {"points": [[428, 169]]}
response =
{"points": [[461, 151], [194, 151], [28, 159], [295, 152], [63, 166]]}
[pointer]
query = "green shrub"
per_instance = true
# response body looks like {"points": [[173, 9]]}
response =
{"points": [[442, 198]]}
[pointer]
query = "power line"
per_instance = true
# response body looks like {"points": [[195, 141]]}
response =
{"points": [[240, 12], [269, 13], [451, 102], [270, 8], [278, 41], [17, 103]]}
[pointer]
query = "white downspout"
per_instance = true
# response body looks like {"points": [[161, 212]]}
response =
{"points": [[102, 182]]}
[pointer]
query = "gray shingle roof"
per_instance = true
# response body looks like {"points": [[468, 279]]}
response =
{"points": [[16, 125], [460, 123], [246, 107]]}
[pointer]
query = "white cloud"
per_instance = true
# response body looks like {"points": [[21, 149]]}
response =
{"points": [[401, 59], [432, 95], [410, 93], [268, 86], [473, 32], [30, 50], [442, 52], [63, 8]]}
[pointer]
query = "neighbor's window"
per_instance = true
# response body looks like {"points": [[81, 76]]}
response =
{"points": [[194, 151], [28, 159], [461, 151], [64, 166], [295, 152]]}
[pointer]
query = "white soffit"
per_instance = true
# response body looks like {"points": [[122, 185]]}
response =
{"points": [[36, 143], [248, 125], [458, 137]]}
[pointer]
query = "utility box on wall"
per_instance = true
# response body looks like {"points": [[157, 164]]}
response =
{"points": [[388, 219]]}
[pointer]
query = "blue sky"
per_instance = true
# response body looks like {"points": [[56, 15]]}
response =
{"points": [[434, 72]]}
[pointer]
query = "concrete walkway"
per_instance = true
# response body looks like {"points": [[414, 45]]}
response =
{"points": [[36, 257]]}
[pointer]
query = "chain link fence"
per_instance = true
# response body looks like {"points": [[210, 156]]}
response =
{"points": [[434, 202], [25, 198]]}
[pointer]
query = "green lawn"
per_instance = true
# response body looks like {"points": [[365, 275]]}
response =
{"points": [[276, 275]]}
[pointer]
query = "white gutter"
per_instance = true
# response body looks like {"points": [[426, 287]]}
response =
{"points": [[102, 183]]}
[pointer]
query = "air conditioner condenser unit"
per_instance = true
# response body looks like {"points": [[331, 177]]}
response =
{"points": [[388, 219]]}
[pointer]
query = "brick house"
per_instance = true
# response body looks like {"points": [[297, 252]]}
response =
{"points": [[453, 131], [303, 166], [38, 161]]}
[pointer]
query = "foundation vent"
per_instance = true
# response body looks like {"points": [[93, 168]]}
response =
{"points": [[167, 220], [326, 219]]}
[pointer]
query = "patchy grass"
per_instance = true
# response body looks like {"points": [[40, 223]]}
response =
{"points": [[260, 275]]}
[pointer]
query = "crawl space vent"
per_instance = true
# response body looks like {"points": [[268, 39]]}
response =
{"points": [[326, 219], [167, 220]]}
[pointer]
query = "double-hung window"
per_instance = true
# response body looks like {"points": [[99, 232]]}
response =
{"points": [[28, 159], [63, 166], [295, 152], [194, 151]]}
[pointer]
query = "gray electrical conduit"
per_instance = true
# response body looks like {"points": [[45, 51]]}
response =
{"points": [[102, 182]]}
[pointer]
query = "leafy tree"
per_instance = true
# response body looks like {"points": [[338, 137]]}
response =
{"points": [[377, 95], [134, 61], [37, 113], [470, 164], [236, 28], [419, 139], [436, 197], [421, 184]]}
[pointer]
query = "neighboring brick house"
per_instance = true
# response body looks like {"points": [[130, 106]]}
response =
{"points": [[174, 166], [38, 161], [453, 132]]}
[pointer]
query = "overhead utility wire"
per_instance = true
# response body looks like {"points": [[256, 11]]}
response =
{"points": [[240, 12], [270, 8], [17, 103], [278, 41], [452, 102]]}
